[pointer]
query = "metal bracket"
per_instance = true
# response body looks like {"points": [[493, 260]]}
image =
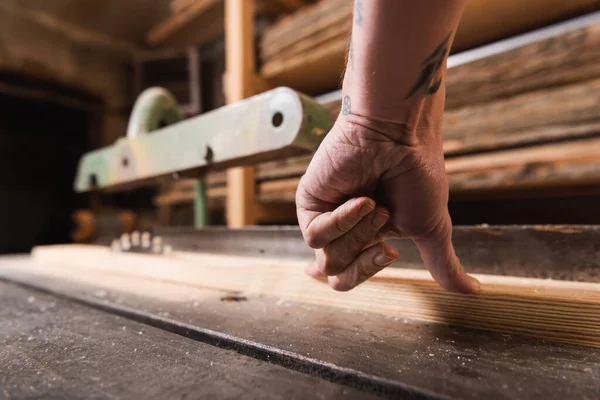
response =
{"points": [[275, 124]]}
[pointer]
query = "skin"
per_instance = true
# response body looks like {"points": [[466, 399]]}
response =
{"points": [[380, 171]]}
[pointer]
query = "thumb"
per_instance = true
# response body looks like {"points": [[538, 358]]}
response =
{"points": [[437, 253]]}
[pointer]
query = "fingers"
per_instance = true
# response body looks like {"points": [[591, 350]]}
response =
{"points": [[440, 259], [331, 225], [337, 255], [367, 264]]}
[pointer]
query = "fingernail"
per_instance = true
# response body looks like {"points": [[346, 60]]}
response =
{"points": [[382, 259], [379, 219]]}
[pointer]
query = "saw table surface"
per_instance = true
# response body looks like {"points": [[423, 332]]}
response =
{"points": [[63, 339]]}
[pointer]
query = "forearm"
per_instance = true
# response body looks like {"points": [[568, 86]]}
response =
{"points": [[397, 60]]}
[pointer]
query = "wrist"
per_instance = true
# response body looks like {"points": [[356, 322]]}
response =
{"points": [[361, 129], [396, 118]]}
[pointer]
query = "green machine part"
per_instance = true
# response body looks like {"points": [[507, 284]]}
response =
{"points": [[156, 108], [269, 126]]}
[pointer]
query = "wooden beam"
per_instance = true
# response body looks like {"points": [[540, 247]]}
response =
{"points": [[556, 310], [73, 33], [240, 61], [290, 5], [200, 21], [538, 116], [315, 39], [550, 114], [554, 165], [570, 57]]}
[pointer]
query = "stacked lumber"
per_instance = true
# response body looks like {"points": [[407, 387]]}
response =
{"points": [[523, 121], [193, 22], [316, 37]]}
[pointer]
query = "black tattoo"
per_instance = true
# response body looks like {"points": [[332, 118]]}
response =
{"points": [[346, 109], [358, 12], [431, 67]]}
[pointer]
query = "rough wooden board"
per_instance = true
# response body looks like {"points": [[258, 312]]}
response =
{"points": [[560, 252], [47, 52], [558, 310], [298, 71], [306, 25], [555, 165], [550, 167], [200, 21], [567, 58], [494, 121], [196, 22], [466, 364], [53, 348], [541, 116], [483, 21]]}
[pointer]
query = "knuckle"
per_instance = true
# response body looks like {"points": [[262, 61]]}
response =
{"points": [[312, 239], [361, 237], [341, 224]]}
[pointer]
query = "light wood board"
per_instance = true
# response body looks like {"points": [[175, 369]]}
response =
{"points": [[556, 310]]}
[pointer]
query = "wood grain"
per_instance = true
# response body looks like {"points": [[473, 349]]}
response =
{"points": [[240, 60], [316, 38], [550, 167], [556, 310], [571, 57], [555, 165], [55, 348], [541, 116], [197, 22], [527, 116]]}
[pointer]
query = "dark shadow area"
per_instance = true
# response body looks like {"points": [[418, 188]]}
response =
{"points": [[40, 145]]}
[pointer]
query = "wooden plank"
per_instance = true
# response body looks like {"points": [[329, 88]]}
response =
{"points": [[556, 113], [289, 5], [240, 60], [556, 310], [54, 348], [197, 21], [403, 357], [200, 21], [480, 24], [305, 25], [298, 71], [571, 57], [540, 116], [548, 167], [556, 165]]}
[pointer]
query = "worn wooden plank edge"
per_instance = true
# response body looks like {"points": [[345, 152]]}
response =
{"points": [[555, 310]]}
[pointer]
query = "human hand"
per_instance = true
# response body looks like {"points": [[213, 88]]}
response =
{"points": [[369, 181]]}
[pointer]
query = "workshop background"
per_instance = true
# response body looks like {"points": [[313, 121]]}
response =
{"points": [[521, 135]]}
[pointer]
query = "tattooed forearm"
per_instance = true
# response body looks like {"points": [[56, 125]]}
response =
{"points": [[351, 55], [358, 12], [429, 82], [346, 109]]}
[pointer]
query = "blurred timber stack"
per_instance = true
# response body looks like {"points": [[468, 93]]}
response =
{"points": [[521, 125]]}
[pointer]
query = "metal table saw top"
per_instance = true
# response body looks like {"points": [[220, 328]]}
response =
{"points": [[70, 340]]}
